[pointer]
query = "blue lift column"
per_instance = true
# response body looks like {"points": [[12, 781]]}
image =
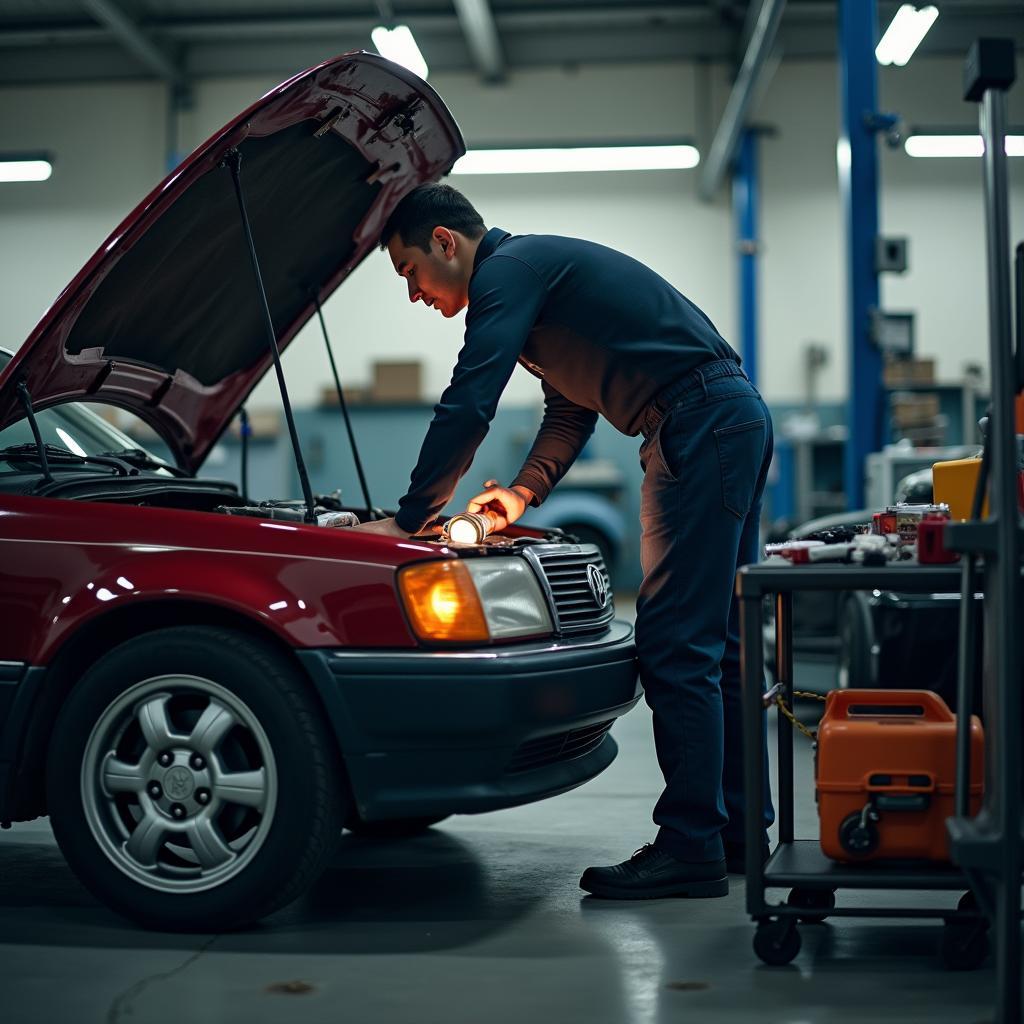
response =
{"points": [[858, 186], [745, 211]]}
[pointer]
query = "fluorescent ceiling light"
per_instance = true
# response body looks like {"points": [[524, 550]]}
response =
{"points": [[904, 34], [398, 44], [957, 145], [24, 169], [581, 158]]}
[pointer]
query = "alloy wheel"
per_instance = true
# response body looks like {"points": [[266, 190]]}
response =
{"points": [[179, 783]]}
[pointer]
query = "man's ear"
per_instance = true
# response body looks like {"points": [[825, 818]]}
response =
{"points": [[446, 242]]}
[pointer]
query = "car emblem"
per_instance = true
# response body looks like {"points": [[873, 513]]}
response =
{"points": [[598, 586], [178, 783]]}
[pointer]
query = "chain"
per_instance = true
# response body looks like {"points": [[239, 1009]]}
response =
{"points": [[799, 726]]}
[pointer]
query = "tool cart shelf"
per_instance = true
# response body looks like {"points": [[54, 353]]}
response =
{"points": [[800, 865]]}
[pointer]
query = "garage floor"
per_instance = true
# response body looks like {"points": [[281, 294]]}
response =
{"points": [[478, 920]]}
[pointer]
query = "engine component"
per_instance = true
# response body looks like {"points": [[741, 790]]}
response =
{"points": [[903, 520], [337, 519], [931, 543], [291, 512]]}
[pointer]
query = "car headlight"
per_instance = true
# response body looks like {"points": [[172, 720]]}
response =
{"points": [[473, 601], [513, 602]]}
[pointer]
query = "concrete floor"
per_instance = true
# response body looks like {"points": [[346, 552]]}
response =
{"points": [[479, 919]]}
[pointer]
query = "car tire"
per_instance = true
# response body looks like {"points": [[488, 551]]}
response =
{"points": [[191, 782], [394, 828], [856, 645]]}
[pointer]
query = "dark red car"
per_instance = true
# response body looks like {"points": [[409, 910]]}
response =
{"points": [[201, 690]]}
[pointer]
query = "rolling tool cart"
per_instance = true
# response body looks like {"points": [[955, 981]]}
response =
{"points": [[800, 865], [985, 847]]}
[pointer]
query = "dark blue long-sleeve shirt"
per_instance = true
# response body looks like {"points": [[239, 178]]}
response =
{"points": [[604, 333]]}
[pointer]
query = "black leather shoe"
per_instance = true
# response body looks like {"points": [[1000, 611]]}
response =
{"points": [[736, 856], [652, 873]]}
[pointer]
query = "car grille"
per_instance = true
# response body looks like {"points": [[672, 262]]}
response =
{"points": [[562, 746], [565, 571]]}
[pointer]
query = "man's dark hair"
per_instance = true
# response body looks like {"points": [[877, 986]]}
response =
{"points": [[426, 207]]}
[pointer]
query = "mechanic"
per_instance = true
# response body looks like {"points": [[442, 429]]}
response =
{"points": [[608, 336]]}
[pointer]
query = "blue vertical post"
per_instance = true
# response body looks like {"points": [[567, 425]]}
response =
{"points": [[745, 203], [858, 186]]}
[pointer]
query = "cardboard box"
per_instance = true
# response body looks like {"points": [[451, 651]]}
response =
{"points": [[913, 410], [357, 394], [897, 373], [397, 381]]}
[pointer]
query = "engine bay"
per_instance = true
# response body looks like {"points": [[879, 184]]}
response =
{"points": [[222, 497]]}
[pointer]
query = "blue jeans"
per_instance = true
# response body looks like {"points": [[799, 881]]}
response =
{"points": [[705, 460]]}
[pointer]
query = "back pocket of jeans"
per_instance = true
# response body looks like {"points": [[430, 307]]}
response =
{"points": [[740, 453]]}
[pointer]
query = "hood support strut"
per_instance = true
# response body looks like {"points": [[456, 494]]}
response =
{"points": [[26, 401], [244, 431], [234, 163], [370, 510]]}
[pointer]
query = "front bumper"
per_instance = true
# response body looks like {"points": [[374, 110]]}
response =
{"points": [[430, 733]]}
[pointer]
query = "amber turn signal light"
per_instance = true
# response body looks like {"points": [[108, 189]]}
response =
{"points": [[442, 602]]}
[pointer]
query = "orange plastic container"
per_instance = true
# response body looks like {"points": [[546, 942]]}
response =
{"points": [[885, 771]]}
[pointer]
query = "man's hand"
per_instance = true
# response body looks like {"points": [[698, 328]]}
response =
{"points": [[507, 504], [387, 527]]}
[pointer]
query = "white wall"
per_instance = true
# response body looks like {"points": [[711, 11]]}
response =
{"points": [[109, 144], [936, 203]]}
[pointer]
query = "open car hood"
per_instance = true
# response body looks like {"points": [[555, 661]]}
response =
{"points": [[165, 319]]}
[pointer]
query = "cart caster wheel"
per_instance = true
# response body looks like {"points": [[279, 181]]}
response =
{"points": [[963, 947], [776, 942], [968, 902], [816, 902]]}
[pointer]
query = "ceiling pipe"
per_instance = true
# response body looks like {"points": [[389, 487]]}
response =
{"points": [[135, 40], [481, 34], [755, 60]]}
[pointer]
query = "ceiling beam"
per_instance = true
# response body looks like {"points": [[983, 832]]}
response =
{"points": [[135, 40], [79, 48], [481, 34], [755, 60]]}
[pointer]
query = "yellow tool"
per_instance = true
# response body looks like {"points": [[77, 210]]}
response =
{"points": [[954, 483]]}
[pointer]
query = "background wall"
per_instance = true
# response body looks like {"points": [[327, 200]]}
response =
{"points": [[109, 143], [937, 204]]}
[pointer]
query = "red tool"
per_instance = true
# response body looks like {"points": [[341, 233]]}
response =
{"points": [[931, 544]]}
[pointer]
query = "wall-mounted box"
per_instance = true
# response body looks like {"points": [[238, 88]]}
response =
{"points": [[890, 255]]}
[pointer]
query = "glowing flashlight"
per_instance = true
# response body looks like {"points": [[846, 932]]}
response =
{"points": [[469, 527]]}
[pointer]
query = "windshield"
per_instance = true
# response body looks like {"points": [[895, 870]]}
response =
{"points": [[71, 426]]}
